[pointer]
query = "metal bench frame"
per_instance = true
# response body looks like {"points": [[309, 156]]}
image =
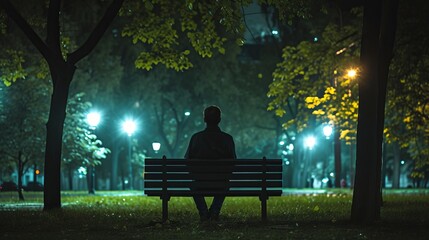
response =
{"points": [[245, 177]]}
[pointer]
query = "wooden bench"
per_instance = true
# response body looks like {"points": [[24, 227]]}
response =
{"points": [[231, 177]]}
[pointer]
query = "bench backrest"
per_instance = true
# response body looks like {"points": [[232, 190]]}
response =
{"points": [[234, 177]]}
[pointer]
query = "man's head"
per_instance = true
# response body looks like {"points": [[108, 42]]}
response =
{"points": [[212, 115]]}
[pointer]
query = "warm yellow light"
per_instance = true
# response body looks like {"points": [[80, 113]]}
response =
{"points": [[351, 73], [37, 171]]}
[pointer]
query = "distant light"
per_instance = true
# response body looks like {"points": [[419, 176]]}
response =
{"points": [[287, 162], [331, 174], [156, 146], [126, 181], [129, 126], [402, 162], [351, 73], [81, 170], [315, 39], [282, 143], [37, 171], [325, 180], [284, 152], [187, 113], [275, 32], [309, 142], [327, 131], [93, 119], [290, 147]]}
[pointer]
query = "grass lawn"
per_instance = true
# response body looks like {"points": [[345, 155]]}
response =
{"points": [[405, 215]]}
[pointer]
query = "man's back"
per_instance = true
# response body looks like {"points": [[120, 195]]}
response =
{"points": [[211, 143]]}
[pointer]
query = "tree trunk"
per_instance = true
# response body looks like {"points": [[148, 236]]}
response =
{"points": [[365, 206], [70, 177], [90, 177], [377, 46], [20, 173], [337, 158], [396, 166], [115, 159], [61, 80]]}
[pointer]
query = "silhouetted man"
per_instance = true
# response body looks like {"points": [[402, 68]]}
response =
{"points": [[211, 143]]}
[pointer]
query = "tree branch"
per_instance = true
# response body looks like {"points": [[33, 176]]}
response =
{"points": [[25, 28], [97, 33], [53, 27]]}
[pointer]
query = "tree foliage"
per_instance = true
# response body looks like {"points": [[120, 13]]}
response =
{"points": [[81, 146], [312, 80], [407, 105]]}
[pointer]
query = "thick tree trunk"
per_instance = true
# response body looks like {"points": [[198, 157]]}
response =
{"points": [[365, 206], [62, 76], [377, 44]]}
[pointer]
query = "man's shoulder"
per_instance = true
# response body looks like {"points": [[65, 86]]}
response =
{"points": [[226, 134]]}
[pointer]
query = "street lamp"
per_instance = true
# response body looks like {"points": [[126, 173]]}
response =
{"points": [[129, 126], [93, 119], [309, 142], [327, 131], [156, 146], [352, 73]]}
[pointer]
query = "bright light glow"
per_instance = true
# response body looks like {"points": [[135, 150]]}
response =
{"points": [[325, 180], [275, 32], [315, 39], [187, 113], [282, 143], [327, 131], [290, 147], [81, 170], [284, 152], [331, 174], [93, 119], [129, 126], [156, 146], [37, 171], [351, 73], [309, 142], [287, 162], [402, 162]]}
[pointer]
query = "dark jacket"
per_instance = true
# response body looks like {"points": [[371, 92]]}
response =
{"points": [[211, 143]]}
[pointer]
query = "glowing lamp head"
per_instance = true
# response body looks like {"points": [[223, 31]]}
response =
{"points": [[93, 119], [129, 126]]}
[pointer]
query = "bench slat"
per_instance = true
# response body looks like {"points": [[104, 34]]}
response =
{"points": [[238, 193], [200, 184], [216, 169], [213, 176], [153, 161]]}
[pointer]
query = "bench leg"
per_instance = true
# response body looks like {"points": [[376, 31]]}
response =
{"points": [[263, 209], [164, 209]]}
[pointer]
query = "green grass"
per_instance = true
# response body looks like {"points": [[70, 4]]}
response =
{"points": [[405, 215]]}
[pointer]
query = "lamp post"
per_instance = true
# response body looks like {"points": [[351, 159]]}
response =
{"points": [[93, 119], [309, 143], [327, 131], [129, 126]]}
